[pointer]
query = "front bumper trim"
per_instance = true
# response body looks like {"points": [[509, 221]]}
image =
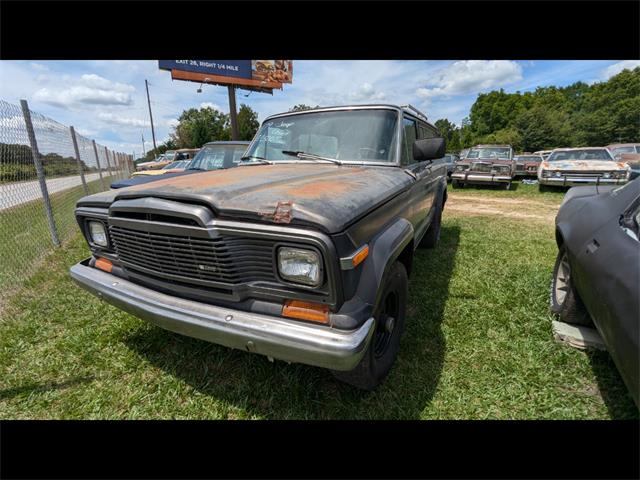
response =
{"points": [[570, 181], [479, 178], [276, 337]]}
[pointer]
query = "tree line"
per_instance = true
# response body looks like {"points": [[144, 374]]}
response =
{"points": [[198, 126], [578, 115]]}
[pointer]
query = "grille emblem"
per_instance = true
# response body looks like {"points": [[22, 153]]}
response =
{"points": [[207, 268]]}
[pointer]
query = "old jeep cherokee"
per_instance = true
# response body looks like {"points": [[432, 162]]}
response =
{"points": [[485, 165], [302, 253]]}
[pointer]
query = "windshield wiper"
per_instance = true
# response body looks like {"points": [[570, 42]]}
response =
{"points": [[310, 156], [197, 168], [256, 159]]}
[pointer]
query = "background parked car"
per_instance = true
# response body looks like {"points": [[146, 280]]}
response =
{"points": [[450, 159], [212, 156], [597, 271], [485, 164], [628, 153], [543, 153], [172, 167], [527, 165], [581, 166]]}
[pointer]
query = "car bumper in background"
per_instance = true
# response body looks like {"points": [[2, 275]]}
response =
{"points": [[479, 178], [573, 181], [276, 337]]}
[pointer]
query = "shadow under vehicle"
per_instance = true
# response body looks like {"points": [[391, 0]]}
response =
{"points": [[485, 165], [302, 253], [568, 167], [212, 156], [597, 271]]}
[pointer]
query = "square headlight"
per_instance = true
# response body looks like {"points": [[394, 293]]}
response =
{"points": [[300, 266], [98, 233]]}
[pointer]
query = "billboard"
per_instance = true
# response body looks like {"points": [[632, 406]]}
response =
{"points": [[261, 75]]}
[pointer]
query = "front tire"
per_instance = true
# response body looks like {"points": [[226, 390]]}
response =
{"points": [[456, 184], [564, 300], [385, 344]]}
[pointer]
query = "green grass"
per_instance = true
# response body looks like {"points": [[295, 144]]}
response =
{"points": [[24, 232], [478, 344], [518, 190]]}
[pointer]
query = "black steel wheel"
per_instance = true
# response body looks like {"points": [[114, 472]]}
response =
{"points": [[389, 324]]}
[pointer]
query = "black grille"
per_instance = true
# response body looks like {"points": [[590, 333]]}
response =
{"points": [[227, 259]]}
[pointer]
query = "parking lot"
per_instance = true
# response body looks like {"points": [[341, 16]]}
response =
{"points": [[478, 342]]}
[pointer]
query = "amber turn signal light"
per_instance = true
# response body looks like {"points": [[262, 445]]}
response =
{"points": [[104, 264], [359, 257], [313, 312]]}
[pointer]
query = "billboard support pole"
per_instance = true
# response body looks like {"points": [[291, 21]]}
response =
{"points": [[232, 112]]}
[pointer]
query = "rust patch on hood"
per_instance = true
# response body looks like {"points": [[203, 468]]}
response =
{"points": [[320, 188], [281, 214]]}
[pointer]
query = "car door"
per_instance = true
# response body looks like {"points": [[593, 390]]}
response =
{"points": [[422, 191], [607, 278]]}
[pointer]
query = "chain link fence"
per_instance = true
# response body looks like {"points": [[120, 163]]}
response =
{"points": [[45, 167]]}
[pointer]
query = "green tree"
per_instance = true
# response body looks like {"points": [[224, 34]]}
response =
{"points": [[543, 128], [247, 122], [199, 126]]}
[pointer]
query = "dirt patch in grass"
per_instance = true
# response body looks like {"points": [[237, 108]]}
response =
{"points": [[522, 209]]}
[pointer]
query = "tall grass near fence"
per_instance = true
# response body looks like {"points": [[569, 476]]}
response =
{"points": [[45, 167]]}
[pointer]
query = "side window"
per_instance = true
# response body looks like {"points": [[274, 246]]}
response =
{"points": [[409, 136]]}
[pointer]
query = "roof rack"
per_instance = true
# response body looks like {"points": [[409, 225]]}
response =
{"points": [[416, 111]]}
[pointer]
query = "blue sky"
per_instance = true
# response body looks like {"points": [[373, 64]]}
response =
{"points": [[105, 100]]}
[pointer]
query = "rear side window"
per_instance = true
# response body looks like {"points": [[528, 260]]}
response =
{"points": [[409, 136]]}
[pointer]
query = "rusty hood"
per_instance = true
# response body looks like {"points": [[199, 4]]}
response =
{"points": [[328, 197], [583, 165]]}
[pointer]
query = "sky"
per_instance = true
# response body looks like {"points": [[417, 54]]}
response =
{"points": [[105, 100]]}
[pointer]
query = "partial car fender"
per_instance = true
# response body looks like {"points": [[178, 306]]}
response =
{"points": [[384, 249]]}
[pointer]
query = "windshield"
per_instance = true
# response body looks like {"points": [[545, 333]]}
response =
{"points": [[621, 150], [529, 158], [490, 152], [356, 135], [599, 154], [180, 164], [169, 156], [214, 157]]}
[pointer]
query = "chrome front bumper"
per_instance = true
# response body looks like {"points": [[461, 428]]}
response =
{"points": [[572, 181], [288, 340], [479, 178]]}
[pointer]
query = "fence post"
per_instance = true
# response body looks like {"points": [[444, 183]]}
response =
{"points": [[40, 172], [106, 153], [75, 147], [95, 151]]}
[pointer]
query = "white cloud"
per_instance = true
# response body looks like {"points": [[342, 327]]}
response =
{"points": [[366, 92], [89, 89], [470, 76], [123, 121], [39, 66], [210, 105], [616, 68], [173, 122]]}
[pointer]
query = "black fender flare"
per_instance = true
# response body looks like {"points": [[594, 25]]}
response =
{"points": [[384, 249]]}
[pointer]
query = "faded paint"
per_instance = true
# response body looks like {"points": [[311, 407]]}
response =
{"points": [[325, 195]]}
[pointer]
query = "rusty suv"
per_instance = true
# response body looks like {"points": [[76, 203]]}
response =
{"points": [[301, 253]]}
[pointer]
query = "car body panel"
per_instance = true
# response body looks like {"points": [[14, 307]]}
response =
{"points": [[605, 268], [576, 172]]}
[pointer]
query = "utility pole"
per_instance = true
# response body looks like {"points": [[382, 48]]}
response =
{"points": [[232, 113], [144, 154], [153, 133]]}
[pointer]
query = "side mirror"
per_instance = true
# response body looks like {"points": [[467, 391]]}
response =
{"points": [[428, 149]]}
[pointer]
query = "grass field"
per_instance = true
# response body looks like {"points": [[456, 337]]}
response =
{"points": [[478, 343], [24, 232]]}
